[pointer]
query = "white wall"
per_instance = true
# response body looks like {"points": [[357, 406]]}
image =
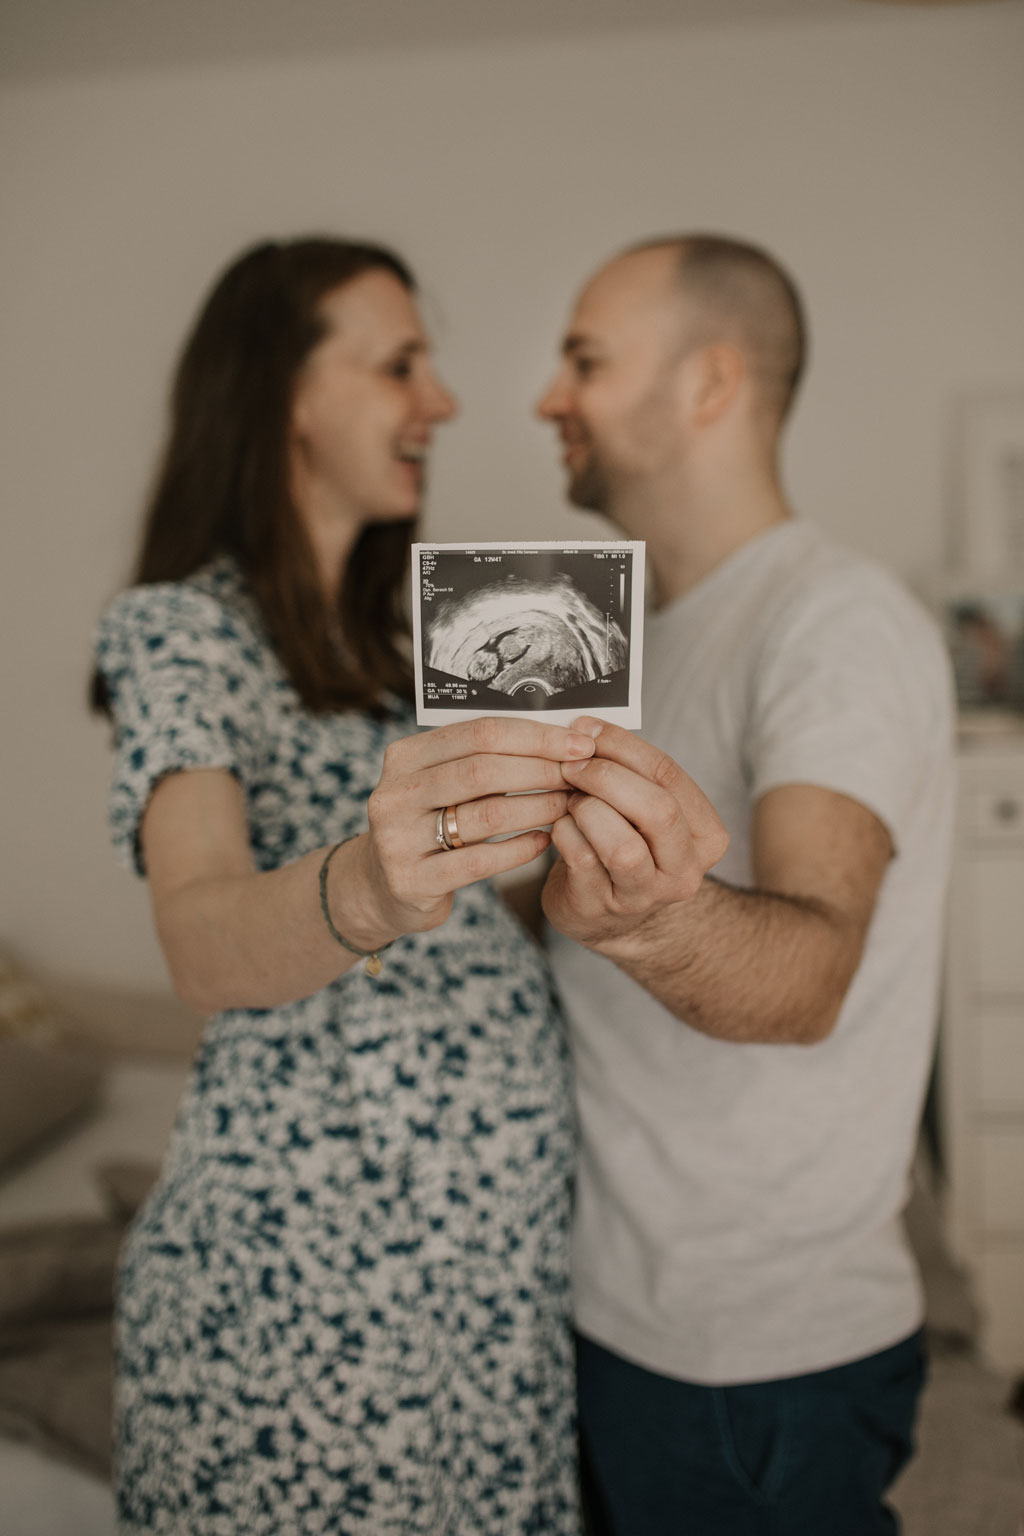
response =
{"points": [[880, 155]]}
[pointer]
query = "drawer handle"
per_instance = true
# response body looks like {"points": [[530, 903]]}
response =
{"points": [[1007, 810]]}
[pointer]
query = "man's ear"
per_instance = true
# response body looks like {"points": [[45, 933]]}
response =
{"points": [[715, 375]]}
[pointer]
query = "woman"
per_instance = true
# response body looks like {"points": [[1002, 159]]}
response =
{"points": [[344, 1306]]}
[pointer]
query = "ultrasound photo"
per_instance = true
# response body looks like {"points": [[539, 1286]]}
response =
{"points": [[545, 628]]}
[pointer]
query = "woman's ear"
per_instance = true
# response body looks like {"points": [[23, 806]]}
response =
{"points": [[298, 413]]}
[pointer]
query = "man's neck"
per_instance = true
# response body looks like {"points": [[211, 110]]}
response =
{"points": [[690, 530]]}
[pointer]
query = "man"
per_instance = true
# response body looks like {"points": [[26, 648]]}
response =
{"points": [[751, 1051]]}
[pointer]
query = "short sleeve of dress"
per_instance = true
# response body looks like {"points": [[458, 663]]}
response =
{"points": [[183, 681], [854, 695]]}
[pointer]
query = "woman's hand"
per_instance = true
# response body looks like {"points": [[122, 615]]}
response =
{"points": [[502, 777], [235, 938]]}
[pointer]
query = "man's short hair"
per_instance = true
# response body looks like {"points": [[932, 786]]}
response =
{"points": [[743, 295]]}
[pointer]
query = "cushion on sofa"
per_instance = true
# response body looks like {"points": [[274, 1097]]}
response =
{"points": [[25, 1012], [41, 1087], [57, 1269]]}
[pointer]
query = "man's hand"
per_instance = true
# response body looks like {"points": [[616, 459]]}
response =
{"points": [[770, 964], [637, 837]]}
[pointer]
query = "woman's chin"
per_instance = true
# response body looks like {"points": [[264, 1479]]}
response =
{"points": [[398, 513]]}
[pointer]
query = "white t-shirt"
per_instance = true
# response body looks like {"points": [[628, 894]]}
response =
{"points": [[738, 1206]]}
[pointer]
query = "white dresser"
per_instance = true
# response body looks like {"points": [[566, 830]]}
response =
{"points": [[981, 1071]]}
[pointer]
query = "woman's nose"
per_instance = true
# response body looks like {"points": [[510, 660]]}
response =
{"points": [[441, 404]]}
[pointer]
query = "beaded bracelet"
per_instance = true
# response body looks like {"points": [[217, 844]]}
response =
{"points": [[374, 964]]}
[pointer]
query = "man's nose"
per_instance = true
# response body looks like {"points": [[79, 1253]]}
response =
{"points": [[553, 403]]}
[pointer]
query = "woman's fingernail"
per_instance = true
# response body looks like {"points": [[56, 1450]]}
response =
{"points": [[588, 726], [581, 744]]}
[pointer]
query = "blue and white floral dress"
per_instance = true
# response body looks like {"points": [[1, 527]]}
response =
{"points": [[345, 1306]]}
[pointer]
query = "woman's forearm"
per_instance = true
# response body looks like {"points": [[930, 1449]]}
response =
{"points": [[260, 940]]}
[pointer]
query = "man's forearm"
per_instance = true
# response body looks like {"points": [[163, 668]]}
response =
{"points": [[741, 965]]}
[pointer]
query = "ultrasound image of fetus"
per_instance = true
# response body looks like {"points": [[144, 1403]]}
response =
{"points": [[519, 636]]}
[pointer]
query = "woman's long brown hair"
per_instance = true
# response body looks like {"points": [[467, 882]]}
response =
{"points": [[222, 486]]}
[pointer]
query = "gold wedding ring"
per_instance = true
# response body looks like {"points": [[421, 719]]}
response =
{"points": [[450, 829]]}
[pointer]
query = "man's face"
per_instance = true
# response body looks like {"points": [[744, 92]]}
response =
{"points": [[613, 399]]}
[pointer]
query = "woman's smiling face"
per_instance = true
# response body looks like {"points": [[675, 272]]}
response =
{"points": [[365, 405]]}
